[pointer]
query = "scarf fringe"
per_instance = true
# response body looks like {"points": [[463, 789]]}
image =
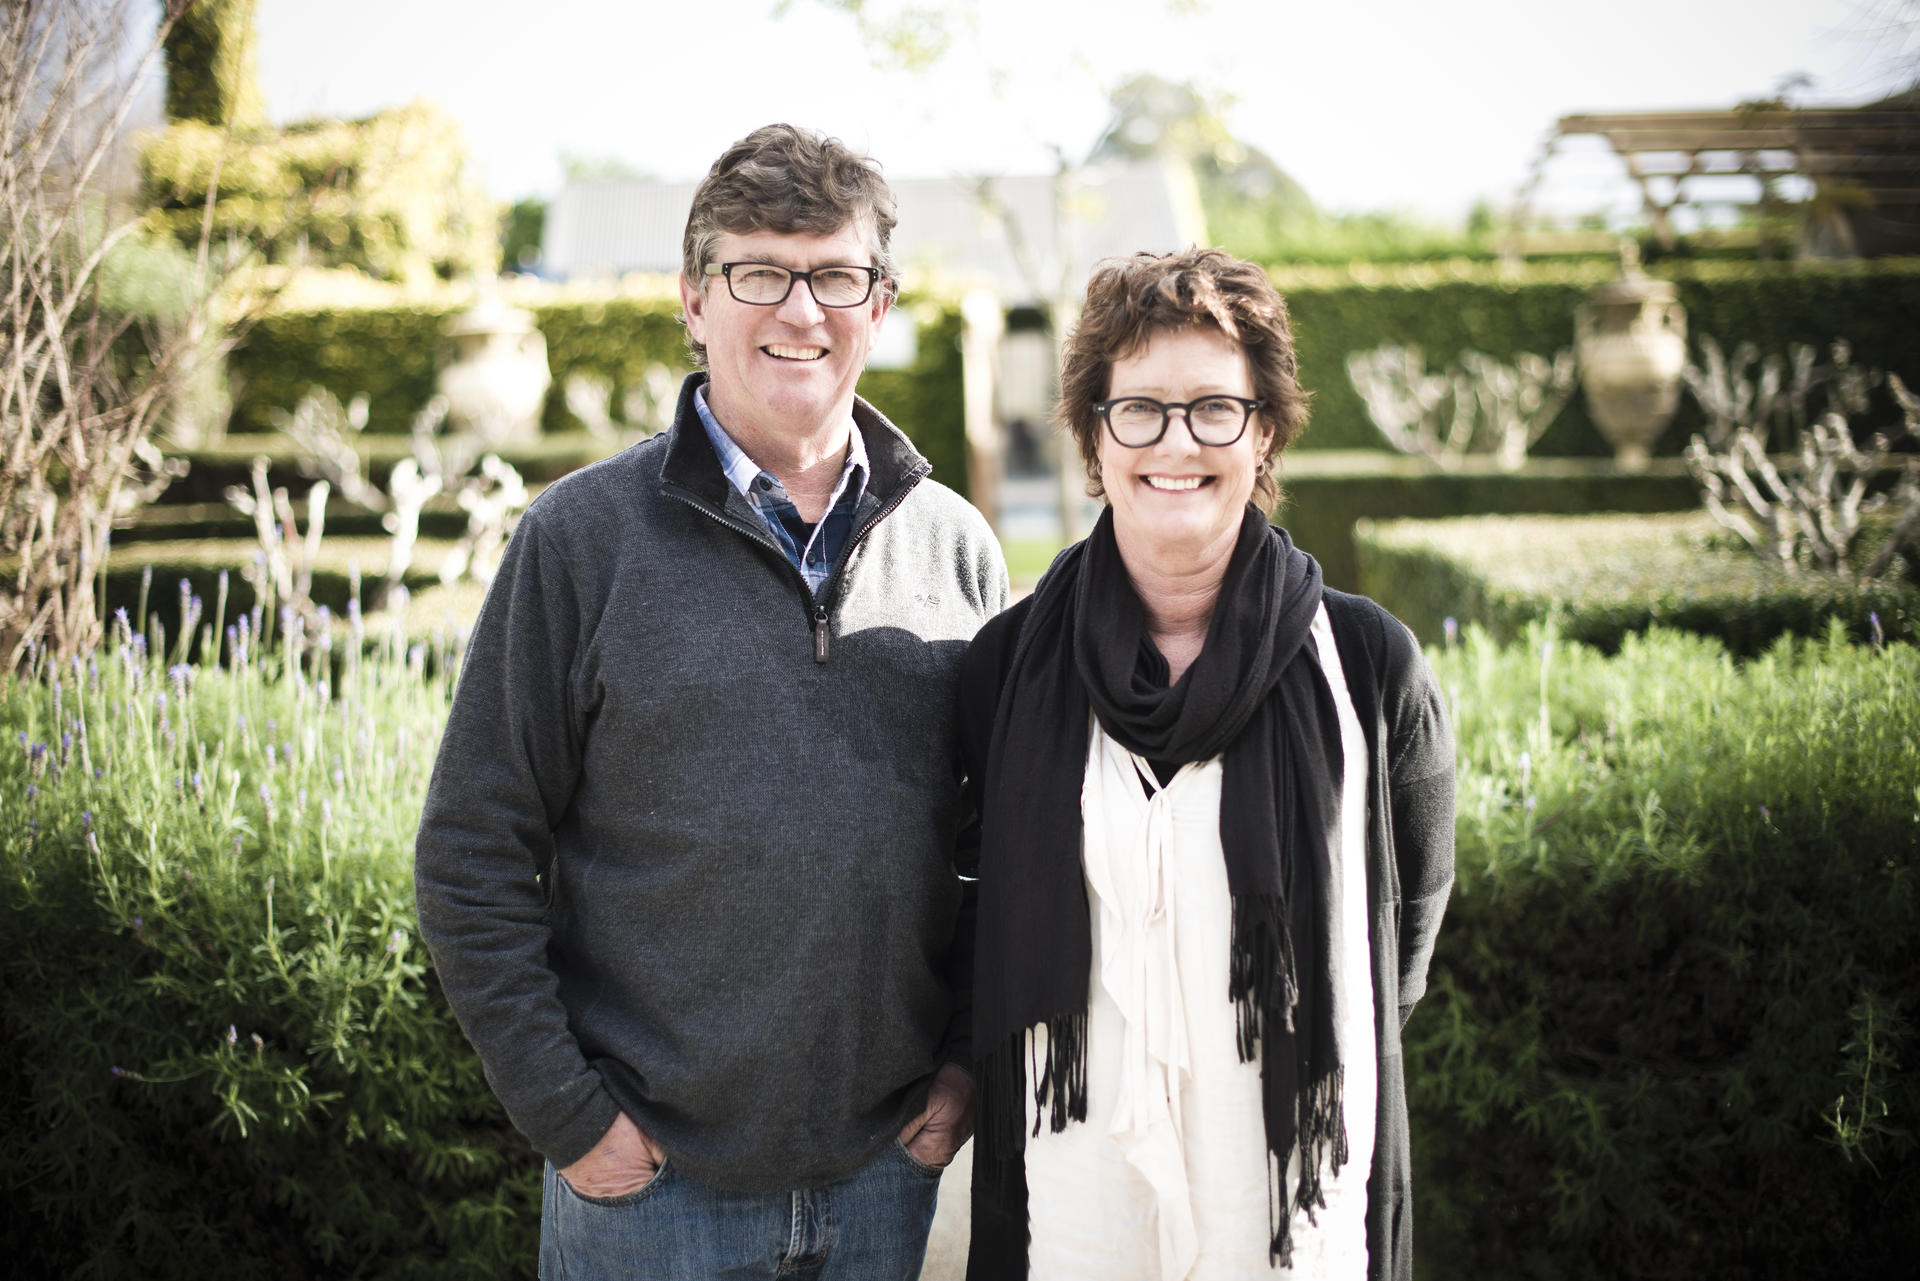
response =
{"points": [[1323, 1136], [1265, 990], [1261, 973], [1261, 979], [1000, 1087]]}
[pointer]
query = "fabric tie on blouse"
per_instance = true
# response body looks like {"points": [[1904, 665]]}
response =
{"points": [[1132, 877]]}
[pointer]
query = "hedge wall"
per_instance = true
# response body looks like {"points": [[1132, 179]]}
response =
{"points": [[1444, 309], [1324, 495], [1602, 578], [1669, 1028], [391, 354], [925, 400]]}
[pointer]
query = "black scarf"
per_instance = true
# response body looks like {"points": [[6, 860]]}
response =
{"points": [[1255, 693]]}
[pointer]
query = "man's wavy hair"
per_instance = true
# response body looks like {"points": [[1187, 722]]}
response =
{"points": [[786, 179], [1129, 300]]}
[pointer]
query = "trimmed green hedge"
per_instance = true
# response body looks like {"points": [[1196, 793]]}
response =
{"points": [[1446, 308], [385, 352], [1324, 494], [925, 400], [1669, 1028], [1602, 578], [211, 468], [390, 353]]}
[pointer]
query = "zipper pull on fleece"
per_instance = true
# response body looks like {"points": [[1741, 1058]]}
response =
{"points": [[820, 633]]}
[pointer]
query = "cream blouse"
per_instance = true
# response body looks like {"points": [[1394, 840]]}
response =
{"points": [[1167, 1179]]}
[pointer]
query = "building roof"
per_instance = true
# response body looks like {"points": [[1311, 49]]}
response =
{"points": [[951, 230]]}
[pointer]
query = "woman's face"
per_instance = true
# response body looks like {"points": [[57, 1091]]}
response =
{"points": [[1177, 497]]}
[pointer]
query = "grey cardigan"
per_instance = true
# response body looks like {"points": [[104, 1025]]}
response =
{"points": [[687, 851]]}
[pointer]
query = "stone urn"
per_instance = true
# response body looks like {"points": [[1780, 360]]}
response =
{"points": [[494, 371], [1631, 340]]}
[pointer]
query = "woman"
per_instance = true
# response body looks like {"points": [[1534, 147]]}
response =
{"points": [[1216, 807]]}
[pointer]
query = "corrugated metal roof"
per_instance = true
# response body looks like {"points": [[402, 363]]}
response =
{"points": [[945, 229]]}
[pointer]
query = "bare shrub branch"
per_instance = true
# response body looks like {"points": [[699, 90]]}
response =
{"points": [[87, 367], [1804, 508], [1481, 405]]}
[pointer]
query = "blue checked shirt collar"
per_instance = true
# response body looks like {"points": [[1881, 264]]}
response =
{"points": [[811, 551]]}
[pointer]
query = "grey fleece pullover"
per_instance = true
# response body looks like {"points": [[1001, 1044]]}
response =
{"points": [[673, 864]]}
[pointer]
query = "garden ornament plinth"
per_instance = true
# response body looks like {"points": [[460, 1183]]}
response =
{"points": [[1631, 341], [494, 371]]}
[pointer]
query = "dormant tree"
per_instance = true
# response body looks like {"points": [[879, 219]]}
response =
{"points": [[84, 374]]}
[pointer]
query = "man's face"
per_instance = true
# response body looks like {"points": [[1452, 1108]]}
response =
{"points": [[785, 370]]}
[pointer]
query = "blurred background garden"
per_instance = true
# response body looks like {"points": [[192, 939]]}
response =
{"points": [[1611, 320]]}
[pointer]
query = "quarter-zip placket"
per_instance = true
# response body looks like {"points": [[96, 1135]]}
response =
{"points": [[818, 616]]}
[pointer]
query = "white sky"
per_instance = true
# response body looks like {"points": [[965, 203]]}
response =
{"points": [[1370, 104]]}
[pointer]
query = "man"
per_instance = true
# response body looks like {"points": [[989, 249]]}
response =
{"points": [[686, 863]]}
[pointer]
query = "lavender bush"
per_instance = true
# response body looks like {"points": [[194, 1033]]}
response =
{"points": [[226, 1047]]}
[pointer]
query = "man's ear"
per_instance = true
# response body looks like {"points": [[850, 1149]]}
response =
{"points": [[885, 294], [693, 306]]}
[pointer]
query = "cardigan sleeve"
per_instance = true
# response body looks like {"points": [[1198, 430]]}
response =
{"points": [[982, 673], [1420, 794], [977, 694]]}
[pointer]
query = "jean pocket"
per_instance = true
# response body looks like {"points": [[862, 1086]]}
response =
{"points": [[634, 1197], [915, 1163]]}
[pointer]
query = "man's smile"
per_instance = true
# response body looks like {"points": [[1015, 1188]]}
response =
{"points": [[780, 352]]}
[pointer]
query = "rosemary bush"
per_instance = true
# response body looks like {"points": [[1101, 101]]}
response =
{"points": [[1669, 1026], [226, 1048]]}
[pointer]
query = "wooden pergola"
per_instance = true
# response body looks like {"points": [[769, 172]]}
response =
{"points": [[1863, 164]]}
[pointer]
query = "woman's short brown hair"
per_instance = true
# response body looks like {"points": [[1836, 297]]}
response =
{"points": [[786, 179], [1129, 300]]}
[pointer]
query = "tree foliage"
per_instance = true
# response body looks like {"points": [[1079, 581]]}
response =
{"points": [[211, 71], [391, 195]]}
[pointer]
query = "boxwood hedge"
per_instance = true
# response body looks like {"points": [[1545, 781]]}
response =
{"points": [[1446, 308], [1325, 494], [392, 353], [1603, 577]]}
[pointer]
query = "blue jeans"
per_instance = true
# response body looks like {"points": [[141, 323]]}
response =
{"points": [[870, 1226]]}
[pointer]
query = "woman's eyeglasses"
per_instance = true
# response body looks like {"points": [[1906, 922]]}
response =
{"points": [[1139, 421]]}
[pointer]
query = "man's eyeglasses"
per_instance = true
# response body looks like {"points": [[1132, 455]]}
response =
{"points": [[766, 284], [1139, 421]]}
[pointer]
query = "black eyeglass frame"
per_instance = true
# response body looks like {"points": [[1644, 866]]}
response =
{"points": [[726, 269], [1104, 408]]}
